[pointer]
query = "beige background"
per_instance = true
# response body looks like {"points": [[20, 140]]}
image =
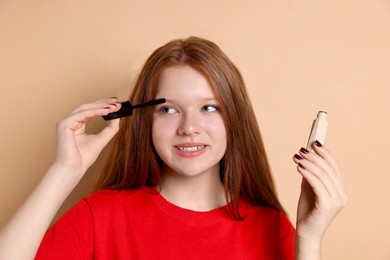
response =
{"points": [[297, 57]]}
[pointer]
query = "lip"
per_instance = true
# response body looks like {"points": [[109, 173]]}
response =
{"points": [[190, 149]]}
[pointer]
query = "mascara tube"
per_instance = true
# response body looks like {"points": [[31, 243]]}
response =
{"points": [[318, 130]]}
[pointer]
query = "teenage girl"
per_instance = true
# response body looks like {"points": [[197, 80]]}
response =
{"points": [[186, 179]]}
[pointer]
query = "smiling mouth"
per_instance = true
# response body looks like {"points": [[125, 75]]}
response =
{"points": [[190, 148]]}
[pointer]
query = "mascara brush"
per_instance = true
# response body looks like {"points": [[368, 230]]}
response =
{"points": [[127, 108]]}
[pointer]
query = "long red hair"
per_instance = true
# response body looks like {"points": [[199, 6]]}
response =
{"points": [[131, 160]]}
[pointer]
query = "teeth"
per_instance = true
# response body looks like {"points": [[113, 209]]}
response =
{"points": [[190, 148]]}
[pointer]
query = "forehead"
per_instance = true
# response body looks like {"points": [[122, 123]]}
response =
{"points": [[179, 79]]}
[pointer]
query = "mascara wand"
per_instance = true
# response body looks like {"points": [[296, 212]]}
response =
{"points": [[127, 108]]}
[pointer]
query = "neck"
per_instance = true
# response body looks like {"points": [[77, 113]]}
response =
{"points": [[204, 192]]}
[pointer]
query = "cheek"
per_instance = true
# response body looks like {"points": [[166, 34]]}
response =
{"points": [[156, 132], [217, 129], [163, 132], [215, 123], [162, 129]]}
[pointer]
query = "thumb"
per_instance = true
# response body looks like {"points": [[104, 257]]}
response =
{"points": [[106, 134]]}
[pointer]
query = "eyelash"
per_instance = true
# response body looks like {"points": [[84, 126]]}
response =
{"points": [[204, 108], [164, 109]]}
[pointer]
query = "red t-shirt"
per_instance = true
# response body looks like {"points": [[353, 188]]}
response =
{"points": [[141, 224]]}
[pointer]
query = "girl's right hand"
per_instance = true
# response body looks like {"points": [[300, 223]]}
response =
{"points": [[77, 150]]}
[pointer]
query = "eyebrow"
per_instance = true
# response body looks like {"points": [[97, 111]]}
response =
{"points": [[201, 99]]}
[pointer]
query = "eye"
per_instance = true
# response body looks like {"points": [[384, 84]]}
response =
{"points": [[167, 110], [210, 108]]}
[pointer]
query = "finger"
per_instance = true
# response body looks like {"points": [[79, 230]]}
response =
{"points": [[326, 161], [325, 200], [83, 116], [317, 186], [328, 201], [111, 102], [323, 151], [324, 165], [309, 168], [318, 167], [109, 131]]}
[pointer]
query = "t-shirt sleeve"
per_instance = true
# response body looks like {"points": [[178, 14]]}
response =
{"points": [[71, 237], [287, 237]]}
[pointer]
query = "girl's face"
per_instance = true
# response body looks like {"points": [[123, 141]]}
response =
{"points": [[188, 131]]}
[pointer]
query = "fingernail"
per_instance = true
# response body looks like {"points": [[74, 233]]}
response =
{"points": [[303, 150], [114, 97], [317, 143], [301, 166], [296, 156]]}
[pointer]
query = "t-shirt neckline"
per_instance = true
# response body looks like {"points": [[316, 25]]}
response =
{"points": [[187, 215]]}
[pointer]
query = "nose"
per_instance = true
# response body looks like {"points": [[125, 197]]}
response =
{"points": [[189, 125]]}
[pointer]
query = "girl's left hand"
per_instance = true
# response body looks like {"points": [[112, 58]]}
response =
{"points": [[323, 194]]}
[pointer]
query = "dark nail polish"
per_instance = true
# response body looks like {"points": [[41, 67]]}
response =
{"points": [[296, 156], [303, 150], [317, 143], [301, 166]]}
